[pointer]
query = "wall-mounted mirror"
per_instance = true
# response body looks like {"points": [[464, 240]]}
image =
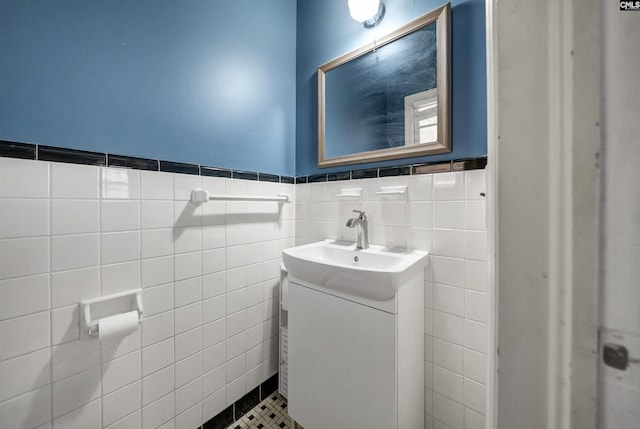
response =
{"points": [[390, 98]]}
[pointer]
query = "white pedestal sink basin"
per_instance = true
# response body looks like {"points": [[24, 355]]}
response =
{"points": [[375, 273]]}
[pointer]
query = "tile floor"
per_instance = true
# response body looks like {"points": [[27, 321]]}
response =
{"points": [[271, 413]]}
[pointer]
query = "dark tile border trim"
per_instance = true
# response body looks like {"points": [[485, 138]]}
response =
{"points": [[317, 178], [57, 154], [132, 162], [31, 151], [179, 167], [399, 170], [343, 175], [215, 172], [264, 177], [11, 149], [432, 168], [220, 421], [246, 403], [17, 150], [239, 408], [395, 171], [370, 173], [468, 164], [244, 175]]}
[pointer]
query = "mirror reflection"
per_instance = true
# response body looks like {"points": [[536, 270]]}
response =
{"points": [[365, 98]]}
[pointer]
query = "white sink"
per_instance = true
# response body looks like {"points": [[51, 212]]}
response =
{"points": [[374, 273]]}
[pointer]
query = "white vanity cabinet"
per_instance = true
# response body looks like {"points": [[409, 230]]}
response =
{"points": [[356, 362], [283, 318]]}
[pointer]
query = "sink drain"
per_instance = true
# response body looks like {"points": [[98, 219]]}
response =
{"points": [[356, 258]]}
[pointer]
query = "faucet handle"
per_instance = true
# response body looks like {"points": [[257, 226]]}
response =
{"points": [[363, 216]]}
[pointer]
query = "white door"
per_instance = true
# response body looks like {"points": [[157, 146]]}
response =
{"points": [[619, 368]]}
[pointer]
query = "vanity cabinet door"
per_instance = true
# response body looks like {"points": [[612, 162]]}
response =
{"points": [[342, 362]]}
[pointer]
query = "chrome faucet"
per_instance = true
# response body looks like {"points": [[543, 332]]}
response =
{"points": [[363, 232]]}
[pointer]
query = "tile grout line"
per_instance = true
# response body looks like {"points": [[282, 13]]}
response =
{"points": [[49, 199], [139, 349], [100, 286], [173, 281], [201, 325]]}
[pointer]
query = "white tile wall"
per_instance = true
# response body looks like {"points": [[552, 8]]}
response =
{"points": [[444, 214], [84, 417], [210, 276], [72, 232], [121, 403], [159, 412], [24, 295], [29, 410], [23, 179], [24, 217], [24, 256], [24, 373]]}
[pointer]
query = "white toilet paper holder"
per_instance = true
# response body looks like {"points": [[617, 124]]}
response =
{"points": [[108, 305]]}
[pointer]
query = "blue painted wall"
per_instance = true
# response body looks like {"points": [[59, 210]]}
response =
{"points": [[201, 81], [325, 31]]}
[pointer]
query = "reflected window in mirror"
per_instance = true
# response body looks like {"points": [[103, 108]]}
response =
{"points": [[421, 118]]}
